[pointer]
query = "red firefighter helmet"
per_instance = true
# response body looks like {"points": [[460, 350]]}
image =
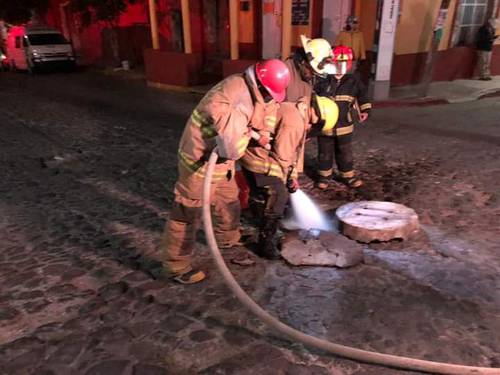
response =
{"points": [[274, 76], [342, 59]]}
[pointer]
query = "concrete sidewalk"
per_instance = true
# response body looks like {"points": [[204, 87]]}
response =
{"points": [[458, 91]]}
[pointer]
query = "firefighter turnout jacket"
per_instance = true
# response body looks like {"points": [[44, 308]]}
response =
{"points": [[285, 158], [299, 88], [348, 92], [222, 118]]}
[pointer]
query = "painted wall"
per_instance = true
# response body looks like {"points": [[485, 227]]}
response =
{"points": [[297, 31], [272, 22], [271, 28], [366, 10], [415, 25], [91, 42], [246, 23], [335, 13]]}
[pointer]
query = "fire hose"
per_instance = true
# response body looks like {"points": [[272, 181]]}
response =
{"points": [[296, 335]]}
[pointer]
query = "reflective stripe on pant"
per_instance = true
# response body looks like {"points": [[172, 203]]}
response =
{"points": [[272, 188], [341, 147], [178, 239]]}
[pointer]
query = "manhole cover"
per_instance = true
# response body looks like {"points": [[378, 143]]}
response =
{"points": [[368, 221]]}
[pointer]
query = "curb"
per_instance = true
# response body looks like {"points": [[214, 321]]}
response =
{"points": [[185, 89], [425, 102], [122, 74]]}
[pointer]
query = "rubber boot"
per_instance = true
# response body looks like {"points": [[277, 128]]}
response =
{"points": [[322, 183], [268, 241]]}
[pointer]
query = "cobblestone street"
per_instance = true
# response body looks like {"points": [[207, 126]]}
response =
{"points": [[88, 164]]}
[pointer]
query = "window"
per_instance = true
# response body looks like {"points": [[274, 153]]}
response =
{"points": [[46, 38], [470, 17]]}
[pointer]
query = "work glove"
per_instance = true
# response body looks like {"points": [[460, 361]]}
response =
{"points": [[292, 185], [264, 141], [363, 116]]}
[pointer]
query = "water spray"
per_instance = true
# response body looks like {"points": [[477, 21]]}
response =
{"points": [[296, 335], [308, 217]]}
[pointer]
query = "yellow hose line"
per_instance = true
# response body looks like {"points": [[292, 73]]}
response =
{"points": [[295, 335]]}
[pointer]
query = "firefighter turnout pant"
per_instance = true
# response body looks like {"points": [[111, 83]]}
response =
{"points": [[272, 189], [179, 236], [340, 147]]}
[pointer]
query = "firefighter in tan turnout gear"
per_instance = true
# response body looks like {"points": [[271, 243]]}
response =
{"points": [[308, 66], [273, 173], [223, 118]]}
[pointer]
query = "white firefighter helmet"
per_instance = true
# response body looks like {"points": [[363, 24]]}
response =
{"points": [[319, 54]]}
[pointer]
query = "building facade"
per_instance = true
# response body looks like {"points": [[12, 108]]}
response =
{"points": [[207, 39], [456, 55]]}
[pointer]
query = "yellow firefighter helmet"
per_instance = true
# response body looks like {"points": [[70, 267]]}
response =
{"points": [[319, 54], [328, 113]]}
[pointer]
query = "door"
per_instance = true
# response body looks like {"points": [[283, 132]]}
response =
{"points": [[210, 30], [335, 13], [18, 52], [271, 29], [249, 29]]}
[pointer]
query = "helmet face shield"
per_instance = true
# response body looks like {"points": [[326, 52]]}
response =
{"points": [[342, 60], [327, 66], [342, 67]]}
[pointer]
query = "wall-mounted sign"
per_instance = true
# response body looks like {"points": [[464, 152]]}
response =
{"points": [[439, 26], [300, 12]]}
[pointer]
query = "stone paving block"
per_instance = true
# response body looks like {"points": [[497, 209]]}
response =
{"points": [[113, 367], [329, 249], [144, 369], [90, 225]]}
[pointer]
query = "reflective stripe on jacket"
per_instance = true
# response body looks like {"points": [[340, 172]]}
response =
{"points": [[225, 113], [285, 158], [346, 92]]}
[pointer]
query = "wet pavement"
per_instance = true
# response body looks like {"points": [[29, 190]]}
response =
{"points": [[88, 165]]}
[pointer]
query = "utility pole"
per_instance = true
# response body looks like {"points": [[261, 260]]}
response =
{"points": [[437, 34], [387, 20]]}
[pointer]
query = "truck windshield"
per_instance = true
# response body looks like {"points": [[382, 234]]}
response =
{"points": [[42, 39]]}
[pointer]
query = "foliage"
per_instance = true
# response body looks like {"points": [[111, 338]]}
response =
{"points": [[20, 11], [100, 10]]}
